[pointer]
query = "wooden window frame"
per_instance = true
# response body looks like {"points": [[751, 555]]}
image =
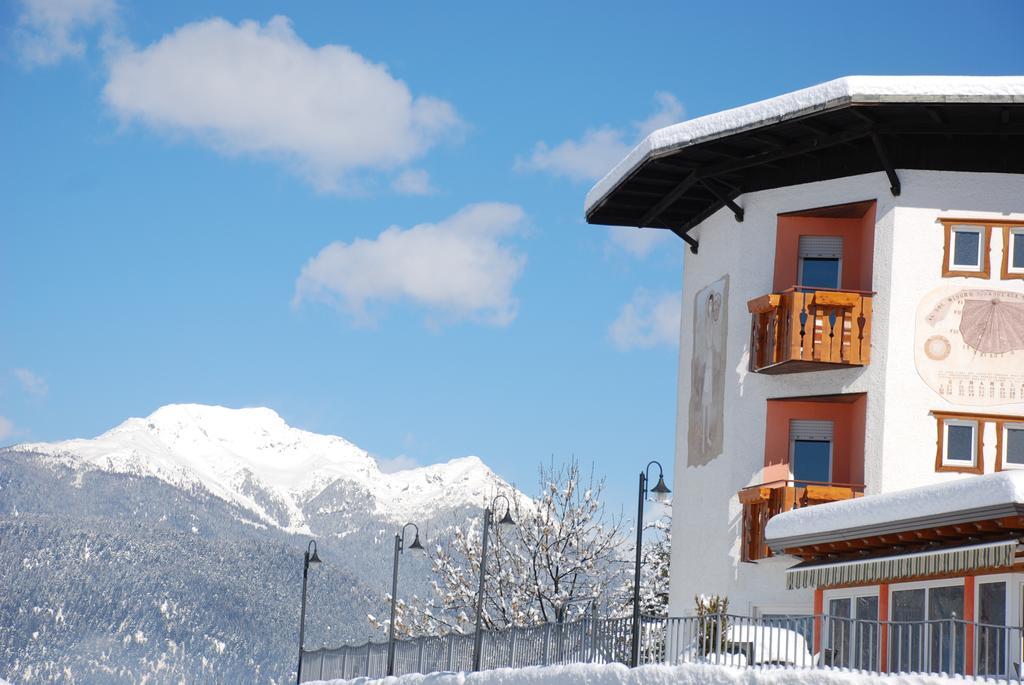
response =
{"points": [[1000, 421], [1008, 231], [1001, 426], [985, 228]]}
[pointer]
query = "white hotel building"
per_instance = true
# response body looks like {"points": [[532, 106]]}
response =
{"points": [[850, 425]]}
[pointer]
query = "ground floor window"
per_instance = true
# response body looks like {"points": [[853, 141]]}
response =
{"points": [[993, 636], [925, 634], [853, 632]]}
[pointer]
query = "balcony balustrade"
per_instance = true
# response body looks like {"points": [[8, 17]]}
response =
{"points": [[761, 502], [808, 329]]}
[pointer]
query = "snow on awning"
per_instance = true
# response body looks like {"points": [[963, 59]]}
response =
{"points": [[972, 498], [884, 569]]}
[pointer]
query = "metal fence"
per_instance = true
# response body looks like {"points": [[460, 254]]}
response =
{"points": [[945, 646]]}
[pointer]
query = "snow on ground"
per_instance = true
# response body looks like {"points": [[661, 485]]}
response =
{"points": [[819, 97], [617, 674], [992, 490]]}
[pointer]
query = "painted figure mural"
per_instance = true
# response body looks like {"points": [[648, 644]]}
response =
{"points": [[707, 372]]}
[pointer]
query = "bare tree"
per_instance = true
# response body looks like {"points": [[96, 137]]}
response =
{"points": [[563, 554]]}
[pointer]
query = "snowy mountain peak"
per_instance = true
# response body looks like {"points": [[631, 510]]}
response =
{"points": [[252, 458]]}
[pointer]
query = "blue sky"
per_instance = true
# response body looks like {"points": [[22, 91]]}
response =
{"points": [[368, 216]]}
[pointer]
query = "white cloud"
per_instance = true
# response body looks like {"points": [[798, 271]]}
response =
{"points": [[32, 383], [6, 428], [460, 267], [647, 321], [638, 242], [413, 182], [600, 149], [259, 89], [584, 160], [47, 31], [667, 111], [399, 463]]}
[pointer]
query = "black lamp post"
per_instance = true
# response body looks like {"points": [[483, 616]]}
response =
{"points": [[506, 522], [661, 493], [310, 560], [399, 547]]}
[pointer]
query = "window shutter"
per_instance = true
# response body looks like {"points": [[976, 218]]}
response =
{"points": [[821, 246], [810, 430]]}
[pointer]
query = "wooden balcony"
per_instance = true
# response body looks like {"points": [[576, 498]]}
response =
{"points": [[804, 329], [761, 502]]}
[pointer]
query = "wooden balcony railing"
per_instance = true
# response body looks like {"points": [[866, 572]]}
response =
{"points": [[761, 502], [806, 329]]}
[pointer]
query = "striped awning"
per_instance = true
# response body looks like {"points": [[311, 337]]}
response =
{"points": [[902, 567]]}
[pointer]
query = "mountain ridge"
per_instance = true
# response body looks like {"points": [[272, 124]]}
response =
{"points": [[252, 458], [169, 548]]}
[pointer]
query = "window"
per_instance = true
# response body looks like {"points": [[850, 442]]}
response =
{"points": [[811, 451], [960, 442], [853, 632], [905, 634], [946, 640], [966, 249], [993, 636], [1013, 252], [960, 447], [1009, 445], [937, 645], [821, 261]]}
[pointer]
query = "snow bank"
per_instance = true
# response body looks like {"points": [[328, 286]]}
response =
{"points": [[617, 674], [927, 503], [816, 98]]}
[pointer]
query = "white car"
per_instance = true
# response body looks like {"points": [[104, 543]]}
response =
{"points": [[750, 645]]}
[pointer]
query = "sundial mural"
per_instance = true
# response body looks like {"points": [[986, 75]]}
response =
{"points": [[969, 345]]}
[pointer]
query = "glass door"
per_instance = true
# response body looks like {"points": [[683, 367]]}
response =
{"points": [[947, 637]]}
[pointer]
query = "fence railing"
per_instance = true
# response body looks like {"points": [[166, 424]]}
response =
{"points": [[940, 646]]}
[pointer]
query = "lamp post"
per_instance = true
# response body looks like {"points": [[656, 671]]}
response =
{"points": [[399, 548], [506, 522], [661, 493], [309, 560]]}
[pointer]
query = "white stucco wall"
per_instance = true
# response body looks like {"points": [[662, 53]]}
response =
{"points": [[900, 433]]}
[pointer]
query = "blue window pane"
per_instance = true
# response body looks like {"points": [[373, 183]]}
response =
{"points": [[820, 272], [1015, 445], [1017, 253], [811, 461], [965, 248], [960, 443]]}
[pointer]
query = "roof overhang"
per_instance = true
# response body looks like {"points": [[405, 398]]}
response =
{"points": [[681, 175], [966, 510]]}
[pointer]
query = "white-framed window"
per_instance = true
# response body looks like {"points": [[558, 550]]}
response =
{"points": [[966, 243], [810, 451], [960, 443], [916, 640], [1015, 251], [852, 630], [1013, 445]]}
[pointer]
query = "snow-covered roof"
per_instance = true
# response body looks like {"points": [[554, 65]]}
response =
{"points": [[824, 96], [971, 498]]}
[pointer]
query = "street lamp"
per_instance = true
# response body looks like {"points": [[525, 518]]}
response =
{"points": [[661, 493], [505, 522], [309, 561], [399, 548]]}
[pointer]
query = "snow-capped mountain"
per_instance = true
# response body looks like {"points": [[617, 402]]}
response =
{"points": [[169, 549], [252, 458]]}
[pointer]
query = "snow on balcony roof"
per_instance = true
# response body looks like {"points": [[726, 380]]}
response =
{"points": [[824, 96], [970, 498]]}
